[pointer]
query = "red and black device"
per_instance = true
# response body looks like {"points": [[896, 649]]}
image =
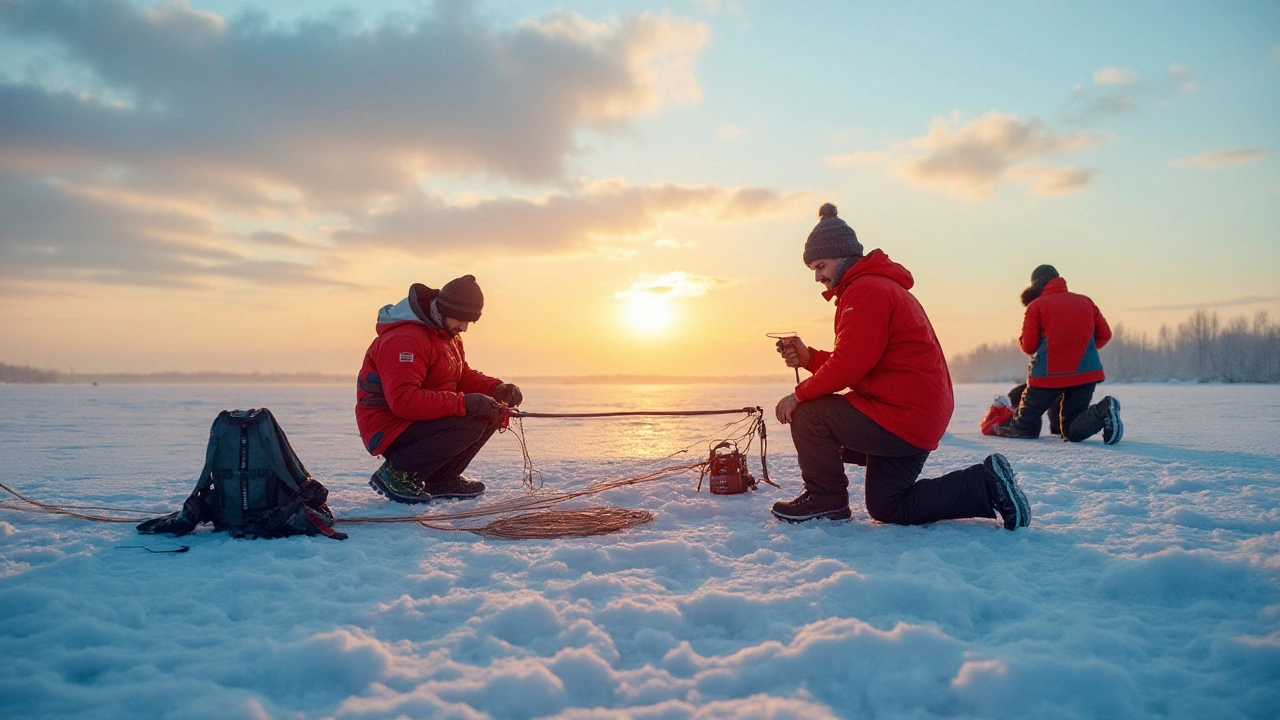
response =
{"points": [[727, 471]]}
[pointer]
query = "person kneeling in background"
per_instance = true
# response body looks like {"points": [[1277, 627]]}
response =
{"points": [[418, 404], [898, 403], [1062, 332]]}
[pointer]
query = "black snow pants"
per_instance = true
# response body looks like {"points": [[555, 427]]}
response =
{"points": [[829, 432], [440, 449], [1070, 414]]}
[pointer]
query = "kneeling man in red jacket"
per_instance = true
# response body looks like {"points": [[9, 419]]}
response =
{"points": [[898, 403], [418, 404], [1062, 331]]}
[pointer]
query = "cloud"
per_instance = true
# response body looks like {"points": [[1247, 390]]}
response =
{"points": [[278, 239], [563, 223], [1219, 159], [56, 231], [1048, 180], [973, 158], [1115, 76], [1183, 77], [1232, 302], [337, 111], [1113, 91], [199, 147], [730, 131], [677, 284]]}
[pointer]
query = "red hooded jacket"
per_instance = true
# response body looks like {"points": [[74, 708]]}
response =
{"points": [[886, 354], [412, 371], [1063, 332]]}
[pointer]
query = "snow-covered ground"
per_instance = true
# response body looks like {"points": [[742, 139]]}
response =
{"points": [[1148, 584]]}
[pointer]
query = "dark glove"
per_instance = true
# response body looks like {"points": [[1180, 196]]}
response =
{"points": [[480, 405], [508, 393]]}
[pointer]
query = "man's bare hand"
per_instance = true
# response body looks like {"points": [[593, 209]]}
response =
{"points": [[794, 352], [786, 408]]}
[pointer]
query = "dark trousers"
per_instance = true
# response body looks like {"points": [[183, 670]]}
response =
{"points": [[828, 432], [1070, 414], [440, 449], [1055, 410]]}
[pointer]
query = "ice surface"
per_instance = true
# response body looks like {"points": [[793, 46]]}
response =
{"points": [[1146, 586]]}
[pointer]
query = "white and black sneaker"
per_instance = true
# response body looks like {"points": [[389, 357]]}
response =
{"points": [[1003, 492], [1112, 428]]}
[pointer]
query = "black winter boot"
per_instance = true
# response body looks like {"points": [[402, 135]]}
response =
{"points": [[1003, 492], [1112, 428], [454, 487], [812, 506]]}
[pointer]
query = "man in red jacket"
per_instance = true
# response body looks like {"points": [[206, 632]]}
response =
{"points": [[418, 404], [1062, 332], [898, 403]]}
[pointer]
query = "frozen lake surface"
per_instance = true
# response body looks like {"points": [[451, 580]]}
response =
{"points": [[1148, 585]]}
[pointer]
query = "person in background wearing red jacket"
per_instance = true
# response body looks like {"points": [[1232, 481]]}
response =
{"points": [[898, 403], [1062, 332], [418, 404]]}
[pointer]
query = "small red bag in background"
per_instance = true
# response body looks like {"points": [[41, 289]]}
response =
{"points": [[1001, 411]]}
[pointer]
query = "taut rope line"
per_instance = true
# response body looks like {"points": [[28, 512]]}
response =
{"points": [[535, 520]]}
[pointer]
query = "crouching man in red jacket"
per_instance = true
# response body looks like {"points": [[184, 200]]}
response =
{"points": [[418, 404], [1062, 331], [898, 403]]}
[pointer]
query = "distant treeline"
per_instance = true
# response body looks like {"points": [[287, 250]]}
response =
{"points": [[1202, 349], [22, 374]]}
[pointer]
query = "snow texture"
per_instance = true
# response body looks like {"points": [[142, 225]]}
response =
{"points": [[1146, 586]]}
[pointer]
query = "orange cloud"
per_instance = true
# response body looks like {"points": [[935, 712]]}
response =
{"points": [[336, 112], [971, 159], [598, 216], [1219, 159], [678, 284]]}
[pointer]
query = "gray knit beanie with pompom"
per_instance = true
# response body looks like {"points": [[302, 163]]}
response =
{"points": [[831, 237]]}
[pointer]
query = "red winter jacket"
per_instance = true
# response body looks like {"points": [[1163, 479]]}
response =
{"points": [[886, 354], [1063, 332], [412, 371]]}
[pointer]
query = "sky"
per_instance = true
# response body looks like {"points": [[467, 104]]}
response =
{"points": [[238, 186]]}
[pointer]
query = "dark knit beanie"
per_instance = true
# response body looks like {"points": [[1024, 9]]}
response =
{"points": [[1043, 274], [1039, 278], [831, 237], [461, 299]]}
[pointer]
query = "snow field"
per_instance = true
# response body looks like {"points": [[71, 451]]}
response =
{"points": [[1145, 587]]}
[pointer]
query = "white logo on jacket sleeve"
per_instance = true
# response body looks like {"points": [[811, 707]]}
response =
{"points": [[406, 357]]}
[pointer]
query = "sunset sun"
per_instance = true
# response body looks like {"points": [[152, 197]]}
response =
{"points": [[648, 314]]}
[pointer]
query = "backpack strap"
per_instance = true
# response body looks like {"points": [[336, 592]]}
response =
{"points": [[191, 506]]}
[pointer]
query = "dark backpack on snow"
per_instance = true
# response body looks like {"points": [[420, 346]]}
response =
{"points": [[252, 485]]}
